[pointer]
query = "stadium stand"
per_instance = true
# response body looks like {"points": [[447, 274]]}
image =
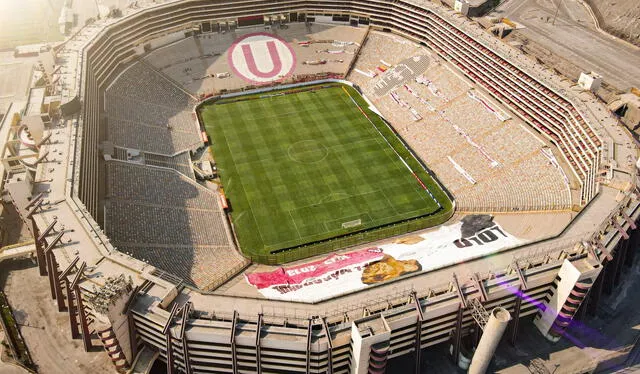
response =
{"points": [[390, 48], [141, 82], [204, 266], [181, 51], [148, 108], [152, 210], [195, 62], [131, 182], [548, 112], [180, 162], [187, 61], [409, 20], [136, 222], [145, 111], [300, 337], [523, 178]]}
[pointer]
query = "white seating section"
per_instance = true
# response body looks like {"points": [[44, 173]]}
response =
{"points": [[523, 180], [551, 114]]}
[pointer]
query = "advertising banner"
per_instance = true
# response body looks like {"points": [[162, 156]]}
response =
{"points": [[338, 274]]}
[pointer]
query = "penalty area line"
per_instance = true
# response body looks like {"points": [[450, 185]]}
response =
{"points": [[424, 187]]}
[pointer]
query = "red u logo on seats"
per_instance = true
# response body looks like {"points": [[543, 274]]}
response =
{"points": [[273, 54], [261, 58]]}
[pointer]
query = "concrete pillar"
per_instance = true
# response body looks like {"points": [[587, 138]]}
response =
{"points": [[73, 311], [574, 282], [493, 331], [234, 352], [628, 261], [610, 275], [596, 292], [170, 364], [369, 345], [133, 342], [418, 338], [458, 336], [516, 319], [84, 323], [185, 354], [622, 254], [51, 273], [633, 245], [418, 347], [42, 263], [477, 334], [259, 352], [582, 310], [56, 282]]}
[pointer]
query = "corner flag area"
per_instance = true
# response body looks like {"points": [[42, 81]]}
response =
{"points": [[312, 169]]}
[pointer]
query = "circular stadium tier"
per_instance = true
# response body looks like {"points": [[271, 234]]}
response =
{"points": [[320, 186]]}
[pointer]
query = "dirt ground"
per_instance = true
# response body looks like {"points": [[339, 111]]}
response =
{"points": [[561, 65], [563, 35], [45, 330], [13, 230], [7, 364], [619, 17]]}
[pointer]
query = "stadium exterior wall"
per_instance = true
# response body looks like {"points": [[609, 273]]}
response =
{"points": [[409, 322], [422, 318]]}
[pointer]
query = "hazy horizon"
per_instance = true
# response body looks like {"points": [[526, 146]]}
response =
{"points": [[29, 22]]}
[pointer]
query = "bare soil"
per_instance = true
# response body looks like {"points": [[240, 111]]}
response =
{"points": [[619, 18]]}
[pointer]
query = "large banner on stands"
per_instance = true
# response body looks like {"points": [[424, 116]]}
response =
{"points": [[339, 274]]}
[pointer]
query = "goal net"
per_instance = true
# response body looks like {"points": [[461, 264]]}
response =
{"points": [[354, 223]]}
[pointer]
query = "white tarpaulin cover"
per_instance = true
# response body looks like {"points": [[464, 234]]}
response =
{"points": [[338, 274]]}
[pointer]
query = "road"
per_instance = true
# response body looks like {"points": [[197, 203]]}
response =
{"points": [[574, 37]]}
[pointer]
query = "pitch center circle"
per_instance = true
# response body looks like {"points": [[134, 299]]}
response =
{"points": [[307, 151]]}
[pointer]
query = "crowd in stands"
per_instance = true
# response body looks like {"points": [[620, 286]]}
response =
{"points": [[509, 189], [389, 48], [549, 112]]}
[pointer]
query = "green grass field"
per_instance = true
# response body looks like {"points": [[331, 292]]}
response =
{"points": [[309, 166]]}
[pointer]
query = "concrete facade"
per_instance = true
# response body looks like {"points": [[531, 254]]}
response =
{"points": [[195, 332]]}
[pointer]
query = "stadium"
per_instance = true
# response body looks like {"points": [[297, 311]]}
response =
{"points": [[320, 187]]}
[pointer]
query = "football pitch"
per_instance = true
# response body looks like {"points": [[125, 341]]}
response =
{"points": [[301, 167]]}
